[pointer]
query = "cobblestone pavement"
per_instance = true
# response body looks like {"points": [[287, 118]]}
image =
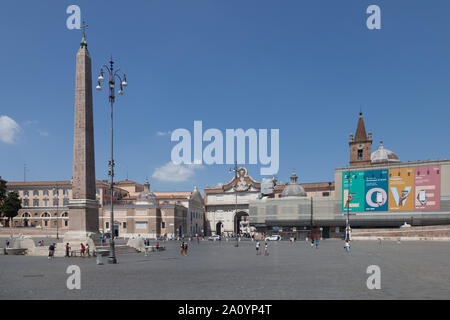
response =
{"points": [[410, 270]]}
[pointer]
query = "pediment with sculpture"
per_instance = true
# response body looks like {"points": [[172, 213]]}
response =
{"points": [[242, 182]]}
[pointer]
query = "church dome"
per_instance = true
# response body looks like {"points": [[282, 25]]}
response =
{"points": [[147, 195], [383, 155], [293, 189]]}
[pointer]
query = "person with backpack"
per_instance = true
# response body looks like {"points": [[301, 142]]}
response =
{"points": [[51, 251], [257, 248]]}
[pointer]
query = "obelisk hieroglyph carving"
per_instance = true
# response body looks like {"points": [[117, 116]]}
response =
{"points": [[83, 214]]}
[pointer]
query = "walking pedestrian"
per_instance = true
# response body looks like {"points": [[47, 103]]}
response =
{"points": [[182, 248], [257, 248], [185, 248], [317, 243], [51, 251], [266, 249], [67, 250], [7, 244], [347, 246], [82, 250], [312, 242], [87, 250]]}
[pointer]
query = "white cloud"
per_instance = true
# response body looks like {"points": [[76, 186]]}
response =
{"points": [[43, 133], [171, 172], [163, 133], [8, 129], [31, 122]]}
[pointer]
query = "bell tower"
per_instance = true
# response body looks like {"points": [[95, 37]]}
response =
{"points": [[360, 145]]}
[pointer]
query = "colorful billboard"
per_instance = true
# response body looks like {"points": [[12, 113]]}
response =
{"points": [[353, 191], [393, 190], [401, 189], [427, 193], [376, 190]]}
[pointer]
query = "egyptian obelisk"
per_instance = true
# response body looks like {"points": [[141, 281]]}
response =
{"points": [[83, 208]]}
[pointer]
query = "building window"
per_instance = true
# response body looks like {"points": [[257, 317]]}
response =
{"points": [[45, 202], [107, 225], [35, 192], [46, 223], [35, 202], [124, 225], [141, 225], [25, 193], [65, 192], [325, 194], [65, 202], [55, 202], [55, 192], [66, 223], [360, 154], [45, 192], [26, 203], [163, 225]]}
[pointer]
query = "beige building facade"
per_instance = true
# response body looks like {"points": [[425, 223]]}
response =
{"points": [[137, 210]]}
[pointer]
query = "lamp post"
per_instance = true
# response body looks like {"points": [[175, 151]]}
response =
{"points": [[112, 75], [347, 222], [235, 170], [55, 191]]}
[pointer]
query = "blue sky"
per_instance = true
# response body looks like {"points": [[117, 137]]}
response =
{"points": [[303, 67]]}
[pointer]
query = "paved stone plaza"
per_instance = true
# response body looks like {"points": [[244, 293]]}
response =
{"points": [[410, 270]]}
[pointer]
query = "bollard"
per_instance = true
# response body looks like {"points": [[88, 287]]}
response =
{"points": [[99, 259]]}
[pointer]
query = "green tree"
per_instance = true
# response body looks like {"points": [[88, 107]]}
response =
{"points": [[2, 190], [2, 194], [11, 206]]}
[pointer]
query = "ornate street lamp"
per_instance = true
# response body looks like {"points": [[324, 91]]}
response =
{"points": [[56, 192], [112, 76], [235, 170], [347, 220]]}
